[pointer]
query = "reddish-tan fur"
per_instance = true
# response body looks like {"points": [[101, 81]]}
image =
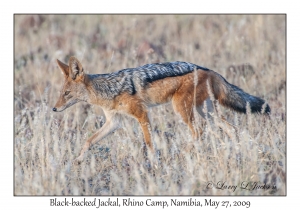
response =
{"points": [[185, 92]]}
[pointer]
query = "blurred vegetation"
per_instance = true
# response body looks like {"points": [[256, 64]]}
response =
{"points": [[248, 50]]}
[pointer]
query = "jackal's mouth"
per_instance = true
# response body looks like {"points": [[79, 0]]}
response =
{"points": [[62, 108], [59, 109]]}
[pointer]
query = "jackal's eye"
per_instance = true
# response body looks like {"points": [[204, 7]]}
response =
{"points": [[67, 93]]}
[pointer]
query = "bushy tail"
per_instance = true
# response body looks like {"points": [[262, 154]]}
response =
{"points": [[235, 98]]}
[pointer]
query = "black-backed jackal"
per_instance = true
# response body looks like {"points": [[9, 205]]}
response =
{"points": [[130, 91]]}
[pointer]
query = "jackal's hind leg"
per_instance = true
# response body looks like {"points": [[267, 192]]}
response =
{"points": [[111, 124], [184, 106]]}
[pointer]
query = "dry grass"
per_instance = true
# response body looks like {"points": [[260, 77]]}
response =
{"points": [[46, 143]]}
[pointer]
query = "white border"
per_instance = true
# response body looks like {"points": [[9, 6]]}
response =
{"points": [[8, 201]]}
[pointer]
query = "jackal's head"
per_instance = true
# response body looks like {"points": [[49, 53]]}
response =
{"points": [[74, 88]]}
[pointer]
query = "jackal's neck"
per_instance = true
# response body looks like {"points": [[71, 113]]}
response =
{"points": [[108, 86], [100, 90]]}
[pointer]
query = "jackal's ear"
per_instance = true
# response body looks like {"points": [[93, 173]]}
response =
{"points": [[64, 67], [76, 69]]}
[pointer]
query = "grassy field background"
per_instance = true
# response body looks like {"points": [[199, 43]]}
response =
{"points": [[248, 50]]}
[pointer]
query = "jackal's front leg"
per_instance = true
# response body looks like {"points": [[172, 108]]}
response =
{"points": [[110, 125]]}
